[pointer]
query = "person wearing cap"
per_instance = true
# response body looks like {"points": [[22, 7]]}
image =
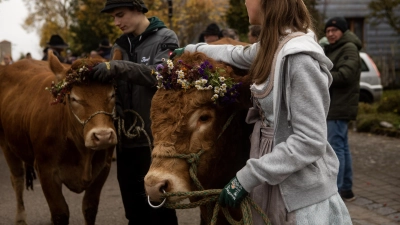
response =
{"points": [[56, 44], [144, 44], [212, 33], [343, 51], [104, 49]]}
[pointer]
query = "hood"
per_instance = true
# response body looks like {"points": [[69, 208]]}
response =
{"points": [[307, 44]]}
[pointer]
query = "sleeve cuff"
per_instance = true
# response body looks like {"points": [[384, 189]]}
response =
{"points": [[246, 179]]}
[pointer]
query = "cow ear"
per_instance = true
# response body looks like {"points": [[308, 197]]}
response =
{"points": [[117, 55], [56, 66]]}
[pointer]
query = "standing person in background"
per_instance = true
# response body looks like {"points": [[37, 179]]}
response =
{"points": [[212, 33], [144, 45], [58, 45], [343, 51], [104, 49], [292, 170], [230, 33], [7, 60], [28, 56], [254, 33]]}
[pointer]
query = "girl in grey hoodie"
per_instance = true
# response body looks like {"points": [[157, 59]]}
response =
{"points": [[292, 168]]}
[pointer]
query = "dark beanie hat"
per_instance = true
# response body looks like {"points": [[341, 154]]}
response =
{"points": [[111, 4], [212, 29], [338, 22]]}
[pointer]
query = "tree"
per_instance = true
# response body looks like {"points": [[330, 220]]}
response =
{"points": [[89, 26], [317, 19], [49, 17], [237, 17], [190, 17], [385, 11]]}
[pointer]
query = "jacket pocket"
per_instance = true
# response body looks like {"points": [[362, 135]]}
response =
{"points": [[307, 177]]}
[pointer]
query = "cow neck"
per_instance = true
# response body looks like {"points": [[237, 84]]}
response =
{"points": [[84, 122], [87, 166]]}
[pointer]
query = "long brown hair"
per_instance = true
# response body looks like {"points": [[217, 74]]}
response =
{"points": [[277, 17]]}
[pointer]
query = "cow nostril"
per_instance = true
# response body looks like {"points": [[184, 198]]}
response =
{"points": [[163, 186], [95, 137]]}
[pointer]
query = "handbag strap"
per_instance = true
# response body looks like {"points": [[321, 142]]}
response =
{"points": [[271, 76]]}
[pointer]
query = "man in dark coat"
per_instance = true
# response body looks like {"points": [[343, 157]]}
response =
{"points": [[343, 51], [144, 44]]}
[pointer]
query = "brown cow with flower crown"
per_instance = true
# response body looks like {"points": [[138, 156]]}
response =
{"points": [[198, 123], [67, 143]]}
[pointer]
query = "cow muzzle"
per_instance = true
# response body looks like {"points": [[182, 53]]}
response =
{"points": [[100, 138]]}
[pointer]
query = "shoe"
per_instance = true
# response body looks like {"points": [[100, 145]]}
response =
{"points": [[347, 196]]}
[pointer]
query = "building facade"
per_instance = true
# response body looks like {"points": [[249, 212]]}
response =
{"points": [[5, 49]]}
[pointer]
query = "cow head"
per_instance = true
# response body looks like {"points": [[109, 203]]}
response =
{"points": [[193, 132], [90, 105]]}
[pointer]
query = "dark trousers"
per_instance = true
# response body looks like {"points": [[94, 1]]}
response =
{"points": [[132, 167]]}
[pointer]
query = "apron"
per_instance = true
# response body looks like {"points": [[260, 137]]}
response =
{"points": [[268, 197]]}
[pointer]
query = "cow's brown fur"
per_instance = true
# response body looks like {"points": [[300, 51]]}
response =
{"points": [[49, 138], [178, 116]]}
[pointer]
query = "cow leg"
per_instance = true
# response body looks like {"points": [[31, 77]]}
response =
{"points": [[17, 180], [91, 198], [52, 189]]}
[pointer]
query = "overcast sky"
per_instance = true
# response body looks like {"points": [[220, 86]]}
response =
{"points": [[12, 16]]}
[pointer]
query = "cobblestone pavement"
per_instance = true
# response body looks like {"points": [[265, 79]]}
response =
{"points": [[376, 179], [376, 164]]}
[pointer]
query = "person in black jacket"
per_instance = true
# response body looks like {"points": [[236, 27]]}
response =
{"points": [[144, 44], [343, 50]]}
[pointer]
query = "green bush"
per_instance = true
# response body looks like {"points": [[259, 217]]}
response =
{"points": [[390, 102], [370, 116]]}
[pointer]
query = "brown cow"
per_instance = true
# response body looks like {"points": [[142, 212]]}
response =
{"points": [[70, 143], [186, 122]]}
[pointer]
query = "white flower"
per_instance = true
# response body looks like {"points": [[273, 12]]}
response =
{"points": [[181, 74], [170, 64], [221, 79]]}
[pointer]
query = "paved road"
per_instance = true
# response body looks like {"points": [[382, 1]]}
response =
{"points": [[376, 185]]}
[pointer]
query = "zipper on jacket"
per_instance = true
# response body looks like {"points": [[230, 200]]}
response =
{"points": [[285, 79]]}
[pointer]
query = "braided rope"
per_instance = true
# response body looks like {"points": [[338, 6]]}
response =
{"points": [[112, 114], [133, 131], [211, 196]]}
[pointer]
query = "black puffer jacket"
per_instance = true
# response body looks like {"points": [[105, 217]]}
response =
{"points": [[346, 71], [137, 85]]}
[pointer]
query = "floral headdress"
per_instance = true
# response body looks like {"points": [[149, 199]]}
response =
{"points": [[202, 77], [74, 76]]}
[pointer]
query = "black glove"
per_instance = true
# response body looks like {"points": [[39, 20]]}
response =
{"points": [[103, 72]]}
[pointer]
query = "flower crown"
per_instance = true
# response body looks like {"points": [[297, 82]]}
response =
{"points": [[74, 76], [202, 77]]}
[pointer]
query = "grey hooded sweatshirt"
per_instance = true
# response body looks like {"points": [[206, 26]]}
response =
{"points": [[302, 162]]}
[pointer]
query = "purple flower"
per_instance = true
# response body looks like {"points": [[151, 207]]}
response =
{"points": [[201, 71], [159, 67]]}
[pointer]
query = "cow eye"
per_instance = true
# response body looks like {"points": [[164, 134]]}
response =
{"points": [[204, 118]]}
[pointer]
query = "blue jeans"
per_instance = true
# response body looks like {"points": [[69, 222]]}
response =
{"points": [[337, 138]]}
